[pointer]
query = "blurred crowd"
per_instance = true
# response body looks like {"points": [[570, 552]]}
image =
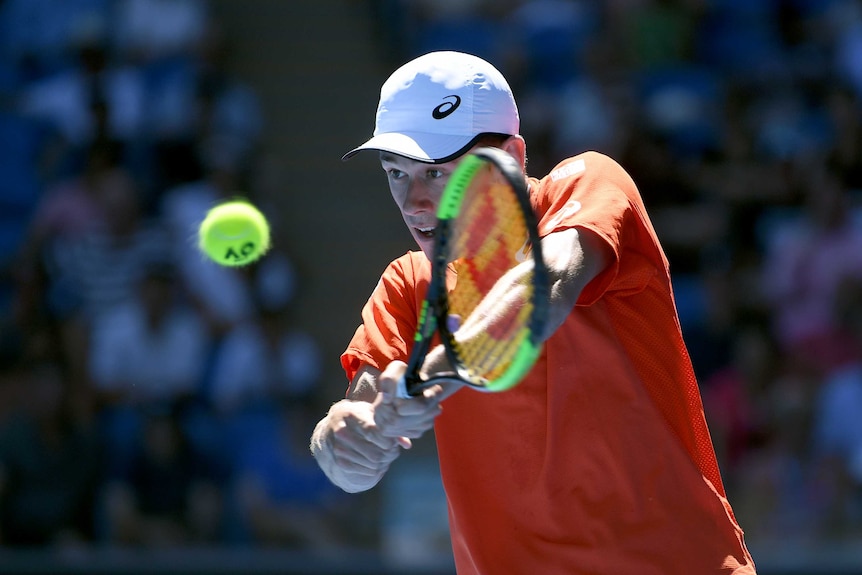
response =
{"points": [[741, 123], [148, 397]]}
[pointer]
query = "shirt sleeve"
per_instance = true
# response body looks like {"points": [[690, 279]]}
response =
{"points": [[389, 317], [591, 191]]}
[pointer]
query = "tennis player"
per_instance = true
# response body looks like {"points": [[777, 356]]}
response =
{"points": [[600, 461]]}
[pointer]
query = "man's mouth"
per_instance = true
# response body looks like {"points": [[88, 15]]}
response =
{"points": [[426, 232]]}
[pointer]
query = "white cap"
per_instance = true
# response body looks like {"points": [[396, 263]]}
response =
{"points": [[433, 107]]}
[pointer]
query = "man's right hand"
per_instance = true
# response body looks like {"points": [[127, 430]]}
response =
{"points": [[350, 448]]}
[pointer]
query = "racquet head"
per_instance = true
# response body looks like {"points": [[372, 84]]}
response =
{"points": [[487, 299]]}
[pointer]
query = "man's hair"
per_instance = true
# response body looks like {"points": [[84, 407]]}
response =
{"points": [[491, 139]]}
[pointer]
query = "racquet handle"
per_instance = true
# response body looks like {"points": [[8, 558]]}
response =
{"points": [[401, 389]]}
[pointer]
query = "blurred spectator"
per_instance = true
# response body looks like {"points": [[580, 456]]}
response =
{"points": [[167, 497], [837, 433], [809, 254], [68, 213], [281, 499], [101, 269], [736, 399], [71, 208], [92, 274], [35, 35], [93, 98], [68, 210], [778, 495], [148, 353], [152, 348], [49, 464], [267, 359], [148, 31]]}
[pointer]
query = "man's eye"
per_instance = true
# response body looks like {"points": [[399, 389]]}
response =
{"points": [[434, 174], [395, 174]]}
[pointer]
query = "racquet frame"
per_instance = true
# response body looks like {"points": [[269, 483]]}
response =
{"points": [[433, 317]]}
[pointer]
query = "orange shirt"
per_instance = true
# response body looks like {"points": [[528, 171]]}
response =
{"points": [[600, 461]]}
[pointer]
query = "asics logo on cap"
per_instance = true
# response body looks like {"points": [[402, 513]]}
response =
{"points": [[446, 107]]}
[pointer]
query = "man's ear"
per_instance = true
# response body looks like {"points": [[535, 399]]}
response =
{"points": [[517, 148]]}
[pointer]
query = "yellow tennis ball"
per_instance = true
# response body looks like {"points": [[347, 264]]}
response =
{"points": [[234, 234]]}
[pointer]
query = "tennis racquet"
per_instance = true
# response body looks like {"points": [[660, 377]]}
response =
{"points": [[487, 300]]}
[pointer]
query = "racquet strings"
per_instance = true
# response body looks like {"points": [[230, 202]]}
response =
{"points": [[490, 238]]}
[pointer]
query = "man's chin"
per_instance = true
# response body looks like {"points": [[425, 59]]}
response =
{"points": [[426, 245]]}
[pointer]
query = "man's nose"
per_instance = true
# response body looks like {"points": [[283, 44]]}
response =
{"points": [[419, 198]]}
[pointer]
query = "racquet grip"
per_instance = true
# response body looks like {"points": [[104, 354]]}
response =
{"points": [[401, 389]]}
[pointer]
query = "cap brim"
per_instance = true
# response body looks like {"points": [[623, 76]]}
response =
{"points": [[423, 147]]}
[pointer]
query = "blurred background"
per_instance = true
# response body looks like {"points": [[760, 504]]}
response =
{"points": [[155, 409]]}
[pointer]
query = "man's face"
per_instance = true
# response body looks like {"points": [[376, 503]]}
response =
{"points": [[416, 188]]}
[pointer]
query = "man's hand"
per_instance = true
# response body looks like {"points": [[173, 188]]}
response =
{"points": [[350, 448], [404, 419], [358, 440]]}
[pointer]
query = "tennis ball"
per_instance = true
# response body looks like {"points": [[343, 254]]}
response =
{"points": [[234, 234]]}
